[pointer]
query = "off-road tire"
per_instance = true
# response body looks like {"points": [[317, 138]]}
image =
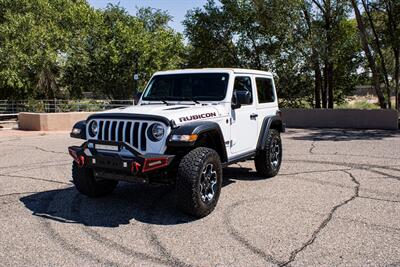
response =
{"points": [[189, 176], [263, 162], [86, 184]]}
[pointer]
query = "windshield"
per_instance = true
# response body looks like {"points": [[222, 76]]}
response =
{"points": [[188, 87]]}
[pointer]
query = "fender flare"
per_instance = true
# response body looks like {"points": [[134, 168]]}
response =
{"points": [[199, 128], [269, 122], [81, 125]]}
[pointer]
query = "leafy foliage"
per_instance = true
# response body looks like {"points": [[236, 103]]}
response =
{"points": [[278, 36], [56, 48], [63, 48]]}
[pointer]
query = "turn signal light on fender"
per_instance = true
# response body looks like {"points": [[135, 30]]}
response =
{"points": [[184, 138]]}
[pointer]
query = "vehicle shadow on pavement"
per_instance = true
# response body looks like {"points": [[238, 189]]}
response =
{"points": [[149, 204], [233, 174], [343, 135]]}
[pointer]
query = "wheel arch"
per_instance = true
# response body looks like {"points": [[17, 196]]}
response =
{"points": [[79, 130], [209, 135], [270, 122]]}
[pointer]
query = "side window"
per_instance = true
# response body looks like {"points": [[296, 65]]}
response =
{"points": [[243, 83], [265, 90]]}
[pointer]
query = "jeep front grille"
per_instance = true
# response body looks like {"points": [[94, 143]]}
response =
{"points": [[131, 132]]}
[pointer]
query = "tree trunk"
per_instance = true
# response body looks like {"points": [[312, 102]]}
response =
{"points": [[379, 50], [329, 48], [318, 85], [370, 57], [324, 88], [330, 85], [315, 62], [397, 76], [392, 24]]}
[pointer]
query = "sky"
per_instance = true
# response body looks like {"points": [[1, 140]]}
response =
{"points": [[176, 8]]}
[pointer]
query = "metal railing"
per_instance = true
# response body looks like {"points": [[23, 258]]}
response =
{"points": [[56, 105]]}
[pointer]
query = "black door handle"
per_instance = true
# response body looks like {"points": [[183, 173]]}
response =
{"points": [[253, 116]]}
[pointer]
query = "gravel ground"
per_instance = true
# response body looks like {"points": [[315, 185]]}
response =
{"points": [[335, 202]]}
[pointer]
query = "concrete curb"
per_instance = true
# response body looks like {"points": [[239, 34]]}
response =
{"points": [[50, 121], [294, 118], [386, 119]]}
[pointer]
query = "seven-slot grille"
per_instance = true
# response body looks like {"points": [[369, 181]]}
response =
{"points": [[132, 132]]}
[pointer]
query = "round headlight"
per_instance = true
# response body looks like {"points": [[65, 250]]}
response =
{"points": [[93, 128], [156, 132]]}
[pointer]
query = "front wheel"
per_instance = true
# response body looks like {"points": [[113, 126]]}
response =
{"points": [[268, 161], [199, 182], [87, 184]]}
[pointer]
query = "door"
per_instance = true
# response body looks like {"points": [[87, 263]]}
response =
{"points": [[244, 120], [266, 100]]}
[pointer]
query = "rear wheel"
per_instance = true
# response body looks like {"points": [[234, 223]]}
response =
{"points": [[268, 161], [199, 182], [87, 184]]}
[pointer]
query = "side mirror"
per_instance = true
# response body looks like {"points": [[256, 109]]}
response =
{"points": [[137, 97], [241, 98], [235, 102]]}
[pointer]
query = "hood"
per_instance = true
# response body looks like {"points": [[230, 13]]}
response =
{"points": [[179, 113]]}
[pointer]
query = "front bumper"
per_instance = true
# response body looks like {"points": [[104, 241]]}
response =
{"points": [[121, 159]]}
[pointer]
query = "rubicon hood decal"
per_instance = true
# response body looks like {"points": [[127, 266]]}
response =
{"points": [[198, 117], [180, 113]]}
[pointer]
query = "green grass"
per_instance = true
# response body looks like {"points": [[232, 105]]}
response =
{"points": [[358, 105]]}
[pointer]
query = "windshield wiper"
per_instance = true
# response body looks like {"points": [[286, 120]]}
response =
{"points": [[162, 99], [191, 99]]}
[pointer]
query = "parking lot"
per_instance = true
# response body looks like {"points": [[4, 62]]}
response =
{"points": [[336, 202]]}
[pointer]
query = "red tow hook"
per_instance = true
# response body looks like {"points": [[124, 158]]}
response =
{"points": [[80, 160], [135, 167]]}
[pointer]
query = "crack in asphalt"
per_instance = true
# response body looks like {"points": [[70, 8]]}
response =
{"points": [[318, 171], [33, 178], [368, 167], [344, 154], [56, 237], [49, 151], [311, 180], [313, 146], [385, 174], [325, 222], [30, 167], [10, 140], [75, 209], [165, 259], [375, 226], [154, 238], [380, 199], [243, 241], [42, 164]]}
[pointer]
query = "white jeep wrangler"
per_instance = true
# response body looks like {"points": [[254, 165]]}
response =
{"points": [[187, 126]]}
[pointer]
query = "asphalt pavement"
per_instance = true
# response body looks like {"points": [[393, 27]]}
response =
{"points": [[335, 202]]}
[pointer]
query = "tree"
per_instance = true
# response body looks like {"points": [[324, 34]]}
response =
{"points": [[380, 36], [61, 48], [210, 34], [383, 21], [114, 42], [315, 59], [35, 41], [290, 38]]}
